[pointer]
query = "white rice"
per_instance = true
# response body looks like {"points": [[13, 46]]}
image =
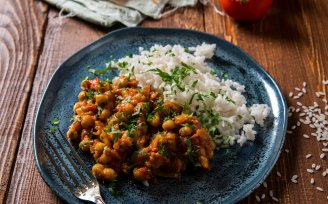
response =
{"points": [[223, 97]]}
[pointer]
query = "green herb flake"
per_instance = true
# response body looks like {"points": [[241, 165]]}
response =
{"points": [[129, 54], [123, 64], [194, 84], [213, 73], [224, 74], [55, 122], [162, 151], [113, 189], [99, 71]]}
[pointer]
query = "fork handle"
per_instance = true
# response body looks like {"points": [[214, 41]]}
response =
{"points": [[99, 200]]}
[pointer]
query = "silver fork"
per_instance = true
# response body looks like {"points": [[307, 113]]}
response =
{"points": [[89, 188]]}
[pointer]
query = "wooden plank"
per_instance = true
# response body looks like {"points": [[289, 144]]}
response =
{"points": [[189, 18], [290, 43], [63, 37], [21, 30]]}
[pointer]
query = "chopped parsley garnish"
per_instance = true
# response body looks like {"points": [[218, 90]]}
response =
{"points": [[55, 122], [162, 151], [123, 64], [212, 72], [112, 187], [99, 71], [194, 84], [176, 75], [224, 74], [53, 130], [129, 54]]}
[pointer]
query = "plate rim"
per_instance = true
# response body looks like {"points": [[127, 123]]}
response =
{"points": [[254, 185]]}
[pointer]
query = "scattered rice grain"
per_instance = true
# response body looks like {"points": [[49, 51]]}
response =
{"points": [[258, 198], [310, 171], [265, 185], [275, 199], [312, 181], [320, 189], [322, 156], [308, 156]]}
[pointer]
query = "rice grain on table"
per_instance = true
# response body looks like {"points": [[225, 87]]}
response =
{"points": [[322, 155], [306, 136], [308, 156], [265, 185], [317, 167], [278, 174], [291, 94], [258, 198], [263, 196], [312, 181], [275, 199], [320, 189], [310, 171]]}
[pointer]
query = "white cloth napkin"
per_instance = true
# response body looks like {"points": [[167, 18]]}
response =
{"points": [[108, 12]]}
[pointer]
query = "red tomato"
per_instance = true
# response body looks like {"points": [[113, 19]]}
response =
{"points": [[246, 10]]}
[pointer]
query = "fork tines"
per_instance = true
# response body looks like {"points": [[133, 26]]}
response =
{"points": [[77, 187]]}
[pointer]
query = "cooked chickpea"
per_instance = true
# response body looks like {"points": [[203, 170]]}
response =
{"points": [[97, 170], [99, 147], [121, 82], [85, 144], [110, 95], [87, 121], [82, 95], [109, 174], [104, 159], [185, 131], [104, 114], [72, 134], [168, 125], [101, 99], [155, 121], [141, 174], [106, 86], [128, 108]]}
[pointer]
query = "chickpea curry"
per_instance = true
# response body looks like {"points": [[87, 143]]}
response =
{"points": [[131, 130]]}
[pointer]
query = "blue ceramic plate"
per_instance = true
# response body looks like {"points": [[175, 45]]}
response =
{"points": [[235, 172]]}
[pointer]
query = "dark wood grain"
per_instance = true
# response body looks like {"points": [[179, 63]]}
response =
{"points": [[189, 18], [21, 34], [291, 44], [62, 38]]}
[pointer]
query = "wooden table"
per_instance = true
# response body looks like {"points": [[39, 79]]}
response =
{"points": [[291, 43]]}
